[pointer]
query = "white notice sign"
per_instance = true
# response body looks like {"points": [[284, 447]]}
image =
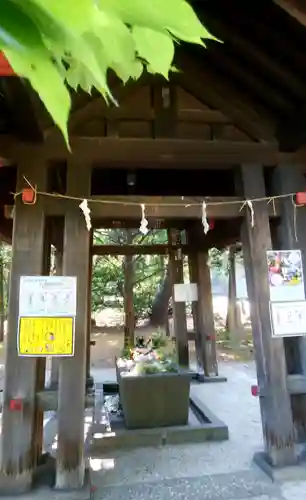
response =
{"points": [[288, 318], [185, 292], [47, 296]]}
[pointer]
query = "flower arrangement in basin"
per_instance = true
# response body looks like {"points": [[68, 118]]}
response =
{"points": [[153, 389]]}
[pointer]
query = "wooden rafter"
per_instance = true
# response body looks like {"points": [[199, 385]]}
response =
{"points": [[24, 119], [296, 9], [250, 51], [222, 58]]}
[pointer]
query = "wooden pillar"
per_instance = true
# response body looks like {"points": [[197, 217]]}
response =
{"points": [[2, 294], [70, 452], [129, 324], [276, 414], [38, 433], [55, 363], [194, 278], [289, 178], [233, 320], [88, 336], [18, 428], [179, 308], [206, 316]]}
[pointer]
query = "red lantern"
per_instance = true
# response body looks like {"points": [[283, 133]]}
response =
{"points": [[5, 67], [28, 196], [300, 198], [255, 390], [211, 224], [16, 405]]}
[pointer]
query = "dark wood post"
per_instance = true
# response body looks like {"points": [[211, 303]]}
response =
{"points": [[194, 278], [2, 306], [179, 308], [18, 449], [88, 336], [55, 362], [276, 414], [233, 319], [129, 321], [289, 178], [38, 431], [70, 453], [206, 316]]}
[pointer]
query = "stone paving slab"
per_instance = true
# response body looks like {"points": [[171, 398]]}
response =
{"points": [[295, 490], [241, 485]]}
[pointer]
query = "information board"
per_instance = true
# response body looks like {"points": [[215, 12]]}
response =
{"points": [[185, 292], [47, 296], [288, 318], [42, 336], [47, 310]]}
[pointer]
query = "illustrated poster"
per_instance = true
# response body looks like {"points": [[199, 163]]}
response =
{"points": [[285, 275]]}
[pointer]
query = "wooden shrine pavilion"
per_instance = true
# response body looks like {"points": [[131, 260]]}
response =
{"points": [[229, 130]]}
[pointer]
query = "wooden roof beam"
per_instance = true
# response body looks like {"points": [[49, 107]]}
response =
{"points": [[249, 50], [208, 88], [291, 133], [259, 87], [296, 9], [105, 151], [250, 23], [18, 95]]}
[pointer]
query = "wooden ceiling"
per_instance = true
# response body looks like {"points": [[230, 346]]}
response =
{"points": [[255, 79]]}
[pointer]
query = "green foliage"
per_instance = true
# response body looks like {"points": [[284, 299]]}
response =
{"points": [[108, 271], [219, 259], [67, 43], [158, 340]]}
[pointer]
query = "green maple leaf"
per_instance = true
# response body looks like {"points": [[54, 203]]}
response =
{"points": [[57, 44]]}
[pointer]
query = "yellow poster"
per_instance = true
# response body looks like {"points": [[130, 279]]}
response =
{"points": [[46, 336]]}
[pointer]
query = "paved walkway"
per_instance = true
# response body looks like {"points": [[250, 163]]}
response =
{"points": [[208, 471]]}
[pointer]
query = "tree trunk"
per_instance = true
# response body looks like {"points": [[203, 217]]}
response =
{"points": [[160, 305]]}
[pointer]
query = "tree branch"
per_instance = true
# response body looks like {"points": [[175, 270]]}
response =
{"points": [[141, 280]]}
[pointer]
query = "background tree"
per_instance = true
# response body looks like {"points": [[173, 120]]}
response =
{"points": [[149, 275], [117, 279]]}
